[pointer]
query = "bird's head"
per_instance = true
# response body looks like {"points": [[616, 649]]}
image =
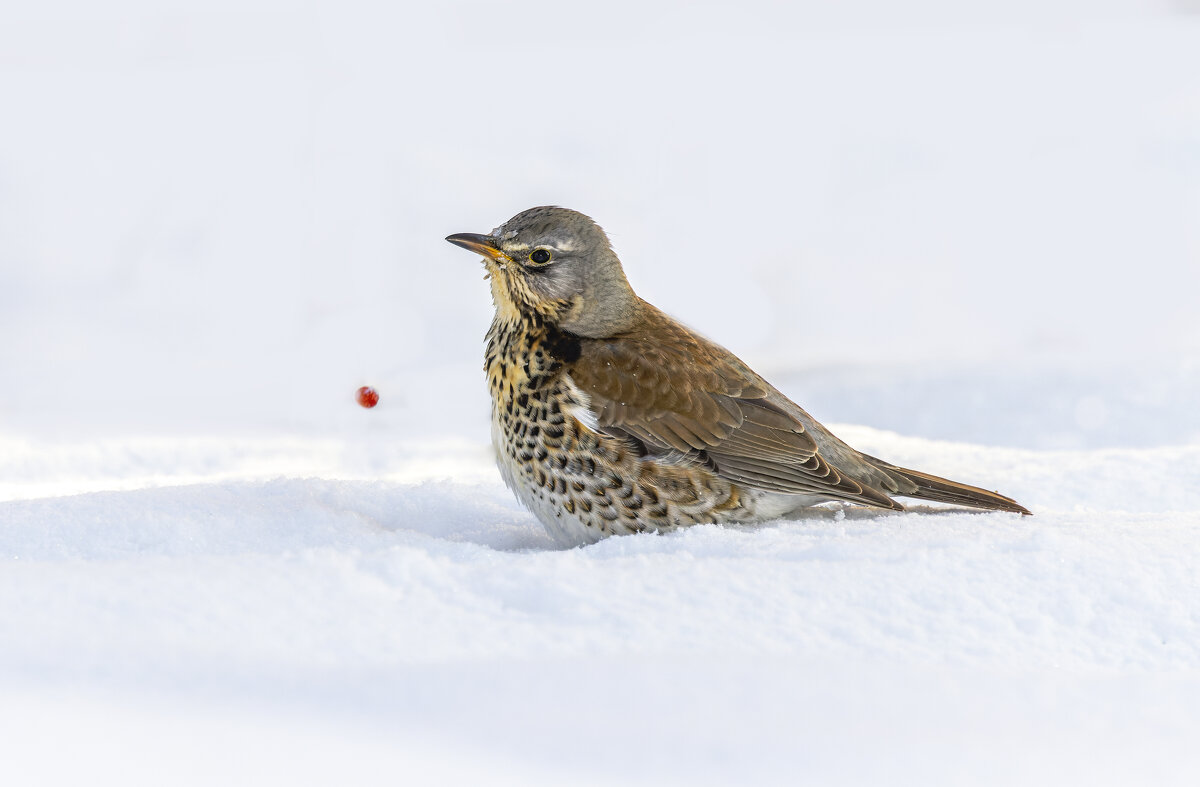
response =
{"points": [[556, 264]]}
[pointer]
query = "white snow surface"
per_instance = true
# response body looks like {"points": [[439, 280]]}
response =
{"points": [[964, 236], [380, 619]]}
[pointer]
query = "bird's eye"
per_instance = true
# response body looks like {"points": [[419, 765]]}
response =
{"points": [[539, 257]]}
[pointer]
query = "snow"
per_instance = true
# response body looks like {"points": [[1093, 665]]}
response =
{"points": [[966, 240], [414, 623]]}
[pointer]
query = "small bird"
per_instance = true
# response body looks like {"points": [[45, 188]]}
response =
{"points": [[609, 417]]}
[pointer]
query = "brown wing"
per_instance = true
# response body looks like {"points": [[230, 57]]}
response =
{"points": [[683, 397]]}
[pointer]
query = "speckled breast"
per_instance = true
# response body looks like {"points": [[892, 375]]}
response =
{"points": [[582, 483]]}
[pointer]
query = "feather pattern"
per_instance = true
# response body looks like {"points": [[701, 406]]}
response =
{"points": [[679, 394]]}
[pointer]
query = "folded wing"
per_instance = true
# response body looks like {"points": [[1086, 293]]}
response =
{"points": [[689, 400]]}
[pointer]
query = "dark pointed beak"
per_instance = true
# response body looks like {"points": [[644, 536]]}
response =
{"points": [[480, 244]]}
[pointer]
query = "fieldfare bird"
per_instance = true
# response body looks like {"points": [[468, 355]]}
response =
{"points": [[610, 417]]}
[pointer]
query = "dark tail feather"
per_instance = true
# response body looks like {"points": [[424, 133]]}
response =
{"points": [[931, 487]]}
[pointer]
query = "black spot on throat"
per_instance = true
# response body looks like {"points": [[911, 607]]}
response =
{"points": [[562, 346]]}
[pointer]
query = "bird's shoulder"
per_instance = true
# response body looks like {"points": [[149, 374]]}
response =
{"points": [[673, 389], [660, 366]]}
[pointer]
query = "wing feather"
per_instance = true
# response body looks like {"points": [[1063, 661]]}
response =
{"points": [[681, 395]]}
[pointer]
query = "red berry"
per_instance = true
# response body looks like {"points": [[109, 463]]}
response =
{"points": [[367, 396]]}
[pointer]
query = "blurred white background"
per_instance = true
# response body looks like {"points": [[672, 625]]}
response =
{"points": [[229, 215]]}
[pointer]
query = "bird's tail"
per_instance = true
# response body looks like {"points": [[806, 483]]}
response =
{"points": [[943, 490]]}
